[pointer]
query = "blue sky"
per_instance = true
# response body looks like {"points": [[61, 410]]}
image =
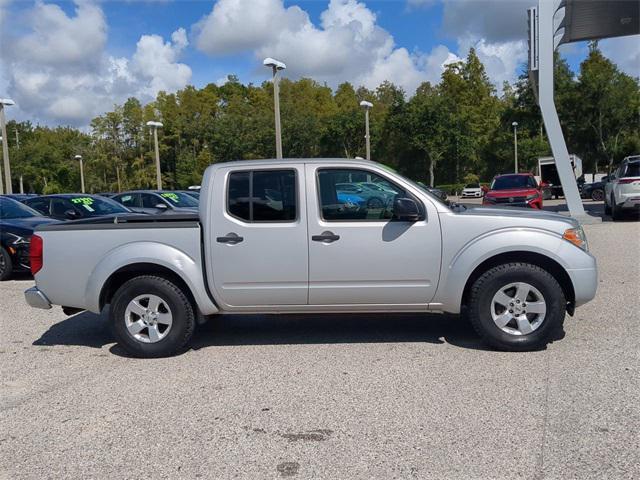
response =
{"points": [[65, 62]]}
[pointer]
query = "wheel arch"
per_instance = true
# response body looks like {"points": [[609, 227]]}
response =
{"points": [[126, 273], [534, 258]]}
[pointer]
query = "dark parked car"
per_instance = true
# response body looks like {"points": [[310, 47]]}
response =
{"points": [[20, 197], [595, 190], [192, 193], [441, 194], [17, 222], [73, 206], [158, 201]]}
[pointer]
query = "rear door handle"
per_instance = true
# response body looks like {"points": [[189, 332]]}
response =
{"points": [[231, 238], [326, 237]]}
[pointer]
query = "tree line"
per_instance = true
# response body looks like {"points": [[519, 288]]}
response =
{"points": [[458, 130]]}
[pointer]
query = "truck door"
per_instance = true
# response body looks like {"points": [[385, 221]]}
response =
{"points": [[259, 236], [358, 254]]}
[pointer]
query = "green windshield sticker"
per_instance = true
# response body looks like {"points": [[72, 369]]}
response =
{"points": [[171, 196], [83, 201]]}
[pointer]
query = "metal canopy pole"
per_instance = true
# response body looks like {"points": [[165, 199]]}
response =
{"points": [[546, 11]]}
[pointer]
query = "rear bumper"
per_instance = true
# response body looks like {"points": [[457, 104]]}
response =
{"points": [[36, 299]]}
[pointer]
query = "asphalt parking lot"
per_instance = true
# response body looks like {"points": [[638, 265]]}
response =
{"points": [[340, 397]]}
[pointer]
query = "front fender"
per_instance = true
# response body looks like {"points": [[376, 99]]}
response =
{"points": [[459, 267], [186, 267]]}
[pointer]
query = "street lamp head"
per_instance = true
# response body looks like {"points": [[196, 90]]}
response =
{"points": [[514, 124], [273, 63], [366, 104], [7, 102], [154, 124], [78, 157]]}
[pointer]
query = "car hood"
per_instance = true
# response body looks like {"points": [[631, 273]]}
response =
{"points": [[524, 214], [512, 192]]}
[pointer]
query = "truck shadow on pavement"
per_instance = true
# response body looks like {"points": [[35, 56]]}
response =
{"points": [[90, 330]]}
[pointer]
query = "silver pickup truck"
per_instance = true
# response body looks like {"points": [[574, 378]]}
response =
{"points": [[313, 236]]}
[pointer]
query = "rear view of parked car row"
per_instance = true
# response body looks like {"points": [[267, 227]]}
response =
{"points": [[21, 214]]}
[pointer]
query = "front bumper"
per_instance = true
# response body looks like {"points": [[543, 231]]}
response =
{"points": [[36, 299], [585, 283]]}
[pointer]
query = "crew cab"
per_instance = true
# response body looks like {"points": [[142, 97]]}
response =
{"points": [[274, 236], [514, 190]]}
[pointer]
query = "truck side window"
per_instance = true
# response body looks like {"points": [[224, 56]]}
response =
{"points": [[263, 195], [345, 195]]}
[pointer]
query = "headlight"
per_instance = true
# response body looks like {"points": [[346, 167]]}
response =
{"points": [[17, 240], [577, 237]]}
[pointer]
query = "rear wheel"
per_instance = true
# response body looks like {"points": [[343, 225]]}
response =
{"points": [[517, 307], [151, 317], [616, 212], [6, 265]]}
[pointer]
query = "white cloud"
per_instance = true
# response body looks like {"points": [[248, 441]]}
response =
{"points": [[59, 71], [625, 52], [347, 45]]}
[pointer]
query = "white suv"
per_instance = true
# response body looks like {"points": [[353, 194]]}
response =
{"points": [[622, 191]]}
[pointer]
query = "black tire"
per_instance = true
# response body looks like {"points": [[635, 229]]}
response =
{"points": [[183, 322], [616, 212], [597, 195], [6, 265], [489, 283]]}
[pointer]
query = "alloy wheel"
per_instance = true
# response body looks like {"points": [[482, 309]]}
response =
{"points": [[518, 308], [148, 318]]}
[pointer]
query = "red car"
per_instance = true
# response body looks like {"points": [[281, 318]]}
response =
{"points": [[514, 190]]}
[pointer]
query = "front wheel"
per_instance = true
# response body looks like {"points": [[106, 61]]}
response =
{"points": [[151, 317], [517, 307], [6, 265]]}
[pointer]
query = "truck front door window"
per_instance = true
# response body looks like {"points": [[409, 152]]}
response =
{"points": [[345, 196]]}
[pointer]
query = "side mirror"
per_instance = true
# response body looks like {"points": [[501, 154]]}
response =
{"points": [[161, 206], [406, 209], [71, 214]]}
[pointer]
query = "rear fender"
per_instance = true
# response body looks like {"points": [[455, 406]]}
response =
{"points": [[186, 267]]}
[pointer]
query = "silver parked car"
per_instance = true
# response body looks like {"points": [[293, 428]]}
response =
{"points": [[622, 191], [277, 236]]}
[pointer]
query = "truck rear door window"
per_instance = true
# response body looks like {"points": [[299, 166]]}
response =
{"points": [[263, 195]]}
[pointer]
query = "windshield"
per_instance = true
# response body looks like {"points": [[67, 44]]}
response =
{"points": [[96, 206], [12, 209], [507, 182], [472, 185], [179, 199]]}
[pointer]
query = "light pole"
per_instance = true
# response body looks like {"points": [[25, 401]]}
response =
{"points": [[515, 144], [276, 66], [367, 106], [79, 158], [5, 102], [156, 126]]}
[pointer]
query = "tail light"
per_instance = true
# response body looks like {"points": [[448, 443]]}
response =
{"points": [[35, 254], [627, 180]]}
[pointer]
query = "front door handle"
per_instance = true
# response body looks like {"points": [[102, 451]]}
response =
{"points": [[326, 237], [231, 238]]}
